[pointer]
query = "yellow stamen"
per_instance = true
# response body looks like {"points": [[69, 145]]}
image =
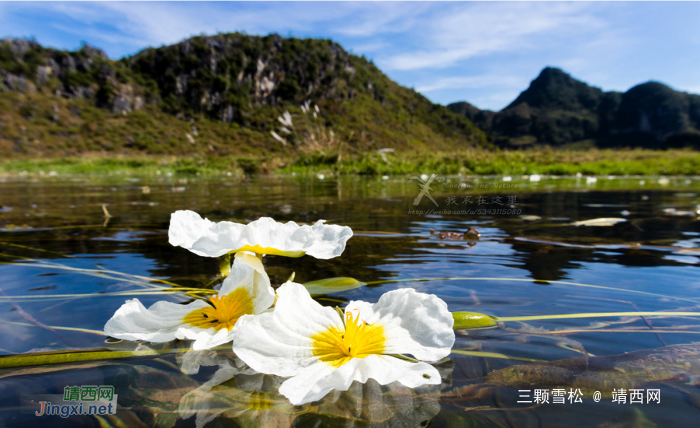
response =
{"points": [[223, 312], [269, 250], [357, 340]]}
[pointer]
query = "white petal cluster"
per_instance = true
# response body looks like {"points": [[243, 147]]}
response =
{"points": [[282, 342], [264, 236], [317, 348], [165, 321]]}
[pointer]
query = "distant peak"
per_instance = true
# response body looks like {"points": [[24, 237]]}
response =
{"points": [[551, 76], [652, 85], [556, 89], [552, 71]]}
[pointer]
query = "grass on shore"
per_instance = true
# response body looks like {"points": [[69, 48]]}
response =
{"points": [[468, 162]]}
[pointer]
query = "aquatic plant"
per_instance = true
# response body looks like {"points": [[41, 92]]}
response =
{"points": [[263, 236], [322, 349], [245, 291]]}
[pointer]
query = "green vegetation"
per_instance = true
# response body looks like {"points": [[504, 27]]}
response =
{"points": [[211, 96], [469, 162]]}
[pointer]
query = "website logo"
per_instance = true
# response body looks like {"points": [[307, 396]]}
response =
{"points": [[76, 401]]}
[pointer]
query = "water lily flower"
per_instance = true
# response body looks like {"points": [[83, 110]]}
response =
{"points": [[246, 291], [263, 236], [322, 349]]}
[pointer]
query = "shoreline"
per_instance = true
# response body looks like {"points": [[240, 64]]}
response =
{"points": [[472, 162]]}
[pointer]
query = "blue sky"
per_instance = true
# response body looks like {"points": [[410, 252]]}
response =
{"points": [[483, 53]]}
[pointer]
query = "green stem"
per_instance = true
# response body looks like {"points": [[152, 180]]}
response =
{"points": [[71, 357], [494, 355], [62, 357], [403, 357], [392, 281], [601, 314]]}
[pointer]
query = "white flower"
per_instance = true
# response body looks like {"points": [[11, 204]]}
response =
{"points": [[245, 291], [263, 236], [321, 350]]}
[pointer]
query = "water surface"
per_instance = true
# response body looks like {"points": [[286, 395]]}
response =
{"points": [[63, 261]]}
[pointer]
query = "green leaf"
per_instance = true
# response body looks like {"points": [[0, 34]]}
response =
{"points": [[465, 320], [332, 285]]}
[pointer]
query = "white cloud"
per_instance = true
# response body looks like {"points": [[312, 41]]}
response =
{"points": [[369, 47], [370, 19], [464, 31], [473, 82]]}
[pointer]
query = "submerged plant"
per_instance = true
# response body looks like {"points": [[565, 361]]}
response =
{"points": [[246, 291], [322, 349]]}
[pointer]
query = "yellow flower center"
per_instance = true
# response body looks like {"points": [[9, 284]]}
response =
{"points": [[357, 340], [257, 249], [223, 312]]}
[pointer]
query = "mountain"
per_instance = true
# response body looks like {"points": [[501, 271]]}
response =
{"points": [[214, 95], [559, 110]]}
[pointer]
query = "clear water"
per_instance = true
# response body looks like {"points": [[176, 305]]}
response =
{"points": [[56, 241]]}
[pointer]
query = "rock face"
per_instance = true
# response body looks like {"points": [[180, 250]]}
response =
{"points": [[86, 73], [17, 83], [557, 110], [222, 75]]}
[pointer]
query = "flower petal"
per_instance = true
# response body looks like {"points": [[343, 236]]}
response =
{"points": [[162, 322], [263, 236], [186, 227], [248, 272], [192, 360], [315, 381], [279, 342], [206, 338], [414, 323]]}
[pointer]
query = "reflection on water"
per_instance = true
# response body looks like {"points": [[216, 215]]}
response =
{"points": [[66, 267], [252, 399]]}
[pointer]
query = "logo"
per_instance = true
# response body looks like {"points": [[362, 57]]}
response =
{"points": [[78, 400], [424, 187]]}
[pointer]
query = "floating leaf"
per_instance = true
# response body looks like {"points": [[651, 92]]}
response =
{"points": [[332, 285], [464, 320], [611, 221]]}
